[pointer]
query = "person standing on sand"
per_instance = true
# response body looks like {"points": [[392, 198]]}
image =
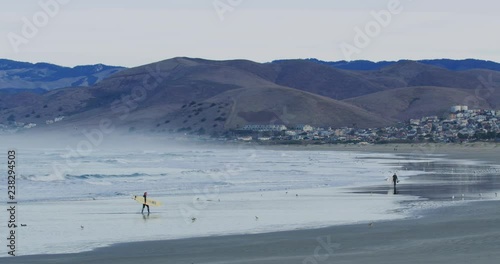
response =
{"points": [[145, 201], [395, 180]]}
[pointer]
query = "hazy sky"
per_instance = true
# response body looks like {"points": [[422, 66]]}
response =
{"points": [[132, 32]]}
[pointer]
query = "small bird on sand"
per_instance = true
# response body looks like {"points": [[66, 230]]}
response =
{"points": [[193, 219], [256, 218], [81, 227], [297, 195]]}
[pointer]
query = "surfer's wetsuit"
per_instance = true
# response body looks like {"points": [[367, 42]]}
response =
{"points": [[144, 204], [394, 180]]}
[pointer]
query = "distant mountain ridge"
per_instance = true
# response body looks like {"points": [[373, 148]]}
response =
{"points": [[18, 76], [193, 95], [453, 65]]}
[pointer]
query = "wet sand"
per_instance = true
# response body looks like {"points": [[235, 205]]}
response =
{"points": [[480, 151], [467, 233]]}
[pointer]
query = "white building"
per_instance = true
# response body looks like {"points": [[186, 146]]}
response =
{"points": [[305, 128], [458, 108], [414, 122], [480, 118]]}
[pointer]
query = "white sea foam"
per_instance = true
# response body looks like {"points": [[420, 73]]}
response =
{"points": [[225, 191]]}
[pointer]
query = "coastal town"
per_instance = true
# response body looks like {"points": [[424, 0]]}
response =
{"points": [[461, 124]]}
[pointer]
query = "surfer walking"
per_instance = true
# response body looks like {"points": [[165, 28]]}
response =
{"points": [[145, 201], [395, 180]]}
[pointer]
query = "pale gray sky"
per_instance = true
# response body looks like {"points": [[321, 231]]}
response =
{"points": [[132, 32]]}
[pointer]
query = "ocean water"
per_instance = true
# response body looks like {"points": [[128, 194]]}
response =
{"points": [[71, 203], [51, 175]]}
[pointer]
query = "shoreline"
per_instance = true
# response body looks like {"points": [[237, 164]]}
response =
{"points": [[276, 212], [384, 149], [487, 151], [455, 151], [457, 234]]}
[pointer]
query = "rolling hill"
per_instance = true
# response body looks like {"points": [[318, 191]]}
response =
{"points": [[324, 80], [415, 102], [267, 105], [454, 65], [18, 77], [204, 96]]}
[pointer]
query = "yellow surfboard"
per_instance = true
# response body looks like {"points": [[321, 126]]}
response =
{"points": [[151, 202]]}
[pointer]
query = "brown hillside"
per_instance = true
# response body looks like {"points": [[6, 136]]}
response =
{"points": [[414, 74], [266, 105], [416, 102], [202, 95], [289, 106], [324, 80]]}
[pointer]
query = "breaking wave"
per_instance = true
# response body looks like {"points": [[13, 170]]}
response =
{"points": [[60, 177], [104, 176]]}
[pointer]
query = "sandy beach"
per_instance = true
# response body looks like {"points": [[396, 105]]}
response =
{"points": [[457, 234], [463, 231]]}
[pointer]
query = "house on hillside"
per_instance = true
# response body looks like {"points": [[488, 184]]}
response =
{"points": [[415, 122], [458, 108], [305, 128]]}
